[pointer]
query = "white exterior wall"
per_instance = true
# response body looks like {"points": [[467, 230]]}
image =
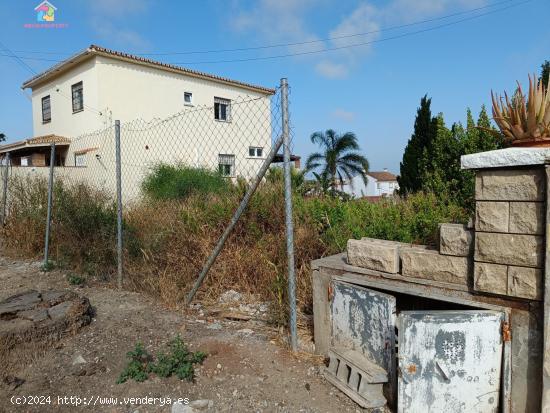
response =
{"points": [[157, 126], [358, 189], [64, 122]]}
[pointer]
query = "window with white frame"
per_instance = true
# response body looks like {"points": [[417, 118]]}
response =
{"points": [[46, 109], [188, 98], [26, 161], [77, 91], [255, 152], [222, 109], [80, 159], [226, 164]]}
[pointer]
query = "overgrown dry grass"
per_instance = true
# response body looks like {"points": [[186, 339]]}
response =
{"points": [[168, 241]]}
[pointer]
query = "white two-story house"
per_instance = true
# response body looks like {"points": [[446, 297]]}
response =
{"points": [[379, 184], [168, 114]]}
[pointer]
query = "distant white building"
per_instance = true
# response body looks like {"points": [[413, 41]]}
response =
{"points": [[382, 183]]}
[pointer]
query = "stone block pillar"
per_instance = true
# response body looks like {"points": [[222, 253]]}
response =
{"points": [[512, 231]]}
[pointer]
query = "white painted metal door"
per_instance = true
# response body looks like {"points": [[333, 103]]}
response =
{"points": [[449, 361], [364, 320]]}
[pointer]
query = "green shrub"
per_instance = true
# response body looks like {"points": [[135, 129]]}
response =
{"points": [[413, 219], [180, 181], [75, 279], [83, 225], [167, 241], [137, 367], [177, 361]]}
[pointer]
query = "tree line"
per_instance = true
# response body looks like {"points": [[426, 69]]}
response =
{"points": [[431, 161]]}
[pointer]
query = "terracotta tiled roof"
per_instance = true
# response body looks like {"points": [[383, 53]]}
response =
{"points": [[36, 141], [383, 176], [94, 50]]}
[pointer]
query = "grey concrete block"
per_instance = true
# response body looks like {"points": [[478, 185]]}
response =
{"points": [[510, 185], [527, 217], [525, 282], [492, 216], [491, 278], [374, 255], [455, 239], [429, 264], [511, 249]]}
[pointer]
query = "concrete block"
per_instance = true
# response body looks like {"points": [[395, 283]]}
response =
{"points": [[510, 185], [511, 249], [429, 264], [455, 239], [527, 217], [525, 282], [492, 216], [374, 255], [491, 278]]}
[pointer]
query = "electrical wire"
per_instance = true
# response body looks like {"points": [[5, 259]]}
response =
{"points": [[324, 50], [300, 43]]}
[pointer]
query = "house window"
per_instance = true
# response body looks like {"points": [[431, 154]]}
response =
{"points": [[78, 97], [226, 164], [188, 98], [222, 109], [80, 159], [255, 152], [46, 109], [26, 161]]}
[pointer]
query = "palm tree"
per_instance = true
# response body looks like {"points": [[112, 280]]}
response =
{"points": [[339, 160]]}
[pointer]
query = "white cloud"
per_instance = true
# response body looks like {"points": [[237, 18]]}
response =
{"points": [[285, 21], [363, 19], [108, 20], [331, 70], [343, 114], [275, 20], [119, 36]]}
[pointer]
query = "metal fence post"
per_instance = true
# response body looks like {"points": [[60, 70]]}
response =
{"points": [[119, 202], [49, 213], [288, 217], [5, 189]]}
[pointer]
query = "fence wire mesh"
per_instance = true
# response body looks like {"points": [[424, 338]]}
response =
{"points": [[182, 178]]}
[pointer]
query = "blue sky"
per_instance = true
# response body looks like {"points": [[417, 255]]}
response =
{"points": [[372, 90]]}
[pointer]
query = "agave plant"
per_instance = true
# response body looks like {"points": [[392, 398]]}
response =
{"points": [[524, 118]]}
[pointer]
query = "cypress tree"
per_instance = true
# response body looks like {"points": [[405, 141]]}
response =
{"points": [[545, 72], [412, 167]]}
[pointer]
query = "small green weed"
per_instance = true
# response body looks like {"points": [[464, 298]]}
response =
{"points": [[76, 279], [177, 361], [48, 266], [137, 367]]}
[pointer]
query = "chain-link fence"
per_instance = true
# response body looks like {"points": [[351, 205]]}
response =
{"points": [[165, 174]]}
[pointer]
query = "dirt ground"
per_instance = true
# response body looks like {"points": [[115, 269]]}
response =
{"points": [[247, 369]]}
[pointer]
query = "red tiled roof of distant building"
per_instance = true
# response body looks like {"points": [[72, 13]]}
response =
{"points": [[383, 176]]}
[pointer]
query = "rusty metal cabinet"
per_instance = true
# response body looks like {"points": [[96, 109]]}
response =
{"points": [[476, 353]]}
